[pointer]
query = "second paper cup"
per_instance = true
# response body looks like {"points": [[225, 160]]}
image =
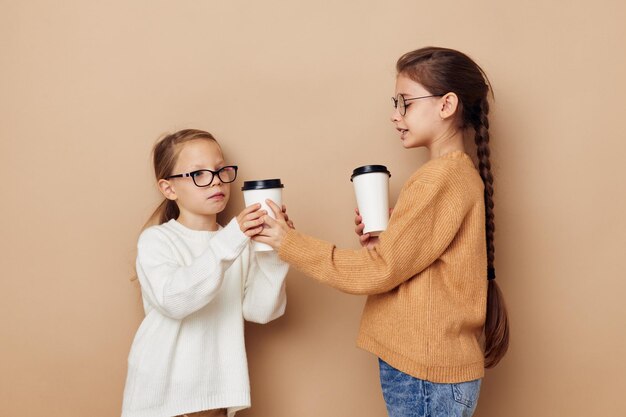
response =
{"points": [[371, 188], [257, 192]]}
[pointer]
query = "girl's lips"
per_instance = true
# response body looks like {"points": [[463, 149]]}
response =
{"points": [[217, 196]]}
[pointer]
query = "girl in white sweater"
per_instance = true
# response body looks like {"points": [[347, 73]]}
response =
{"points": [[199, 281]]}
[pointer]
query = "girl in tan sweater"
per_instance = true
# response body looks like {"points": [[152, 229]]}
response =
{"points": [[434, 315]]}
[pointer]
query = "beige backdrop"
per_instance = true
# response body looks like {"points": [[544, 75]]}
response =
{"points": [[300, 91]]}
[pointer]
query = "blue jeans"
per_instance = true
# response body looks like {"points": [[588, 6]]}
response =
{"points": [[407, 396]]}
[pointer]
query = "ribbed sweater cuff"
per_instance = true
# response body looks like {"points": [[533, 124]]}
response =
{"points": [[233, 239], [288, 248], [305, 253]]}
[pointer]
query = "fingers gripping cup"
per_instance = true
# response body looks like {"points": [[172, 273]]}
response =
{"points": [[259, 191], [371, 187]]}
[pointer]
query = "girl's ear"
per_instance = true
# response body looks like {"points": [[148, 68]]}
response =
{"points": [[449, 105], [167, 190]]}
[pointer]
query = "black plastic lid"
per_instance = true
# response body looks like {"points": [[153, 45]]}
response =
{"points": [[367, 169], [262, 184]]}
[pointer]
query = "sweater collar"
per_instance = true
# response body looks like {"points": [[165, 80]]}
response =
{"points": [[190, 233], [456, 155]]}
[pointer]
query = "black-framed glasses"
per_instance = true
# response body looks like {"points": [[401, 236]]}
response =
{"points": [[399, 102], [204, 177]]}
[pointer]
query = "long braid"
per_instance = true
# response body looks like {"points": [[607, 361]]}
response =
{"points": [[442, 70], [496, 323], [481, 139]]}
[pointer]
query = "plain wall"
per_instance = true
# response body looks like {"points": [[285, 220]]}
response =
{"points": [[301, 91]]}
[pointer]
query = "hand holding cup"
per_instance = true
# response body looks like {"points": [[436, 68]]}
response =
{"points": [[251, 220], [366, 239], [371, 188], [259, 191], [274, 230]]}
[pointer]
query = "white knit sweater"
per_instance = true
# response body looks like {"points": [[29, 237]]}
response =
{"points": [[198, 287]]}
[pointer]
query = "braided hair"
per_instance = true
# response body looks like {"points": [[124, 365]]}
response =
{"points": [[440, 71]]}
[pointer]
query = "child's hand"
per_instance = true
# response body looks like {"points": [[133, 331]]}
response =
{"points": [[289, 222], [367, 241], [274, 231], [251, 220]]}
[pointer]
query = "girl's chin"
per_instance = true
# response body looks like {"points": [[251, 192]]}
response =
{"points": [[410, 143], [218, 201], [213, 207]]}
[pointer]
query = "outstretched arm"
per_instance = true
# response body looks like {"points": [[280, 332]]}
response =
{"points": [[425, 220]]}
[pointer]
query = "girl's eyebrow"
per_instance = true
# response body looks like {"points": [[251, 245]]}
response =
{"points": [[200, 166], [217, 166]]}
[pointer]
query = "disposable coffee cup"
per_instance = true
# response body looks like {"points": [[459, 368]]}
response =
{"points": [[257, 192], [371, 188]]}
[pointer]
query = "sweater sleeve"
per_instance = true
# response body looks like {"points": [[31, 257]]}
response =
{"points": [[178, 290], [424, 222], [265, 297]]}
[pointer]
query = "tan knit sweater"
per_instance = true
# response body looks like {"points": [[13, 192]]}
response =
{"points": [[426, 280]]}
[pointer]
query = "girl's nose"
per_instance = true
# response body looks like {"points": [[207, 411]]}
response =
{"points": [[216, 181], [395, 116]]}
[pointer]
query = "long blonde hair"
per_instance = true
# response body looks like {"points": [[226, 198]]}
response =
{"points": [[164, 156]]}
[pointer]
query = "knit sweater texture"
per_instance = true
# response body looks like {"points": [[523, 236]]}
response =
{"points": [[198, 287], [426, 280]]}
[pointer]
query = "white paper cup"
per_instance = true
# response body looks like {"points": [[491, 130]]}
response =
{"points": [[257, 192], [371, 188]]}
